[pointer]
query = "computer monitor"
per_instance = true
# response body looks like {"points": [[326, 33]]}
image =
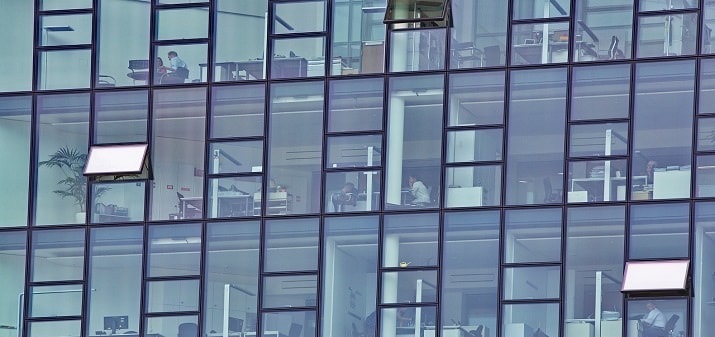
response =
{"points": [[115, 323], [235, 324]]}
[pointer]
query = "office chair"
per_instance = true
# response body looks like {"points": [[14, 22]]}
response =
{"points": [[670, 325], [551, 195], [614, 53], [463, 52], [492, 55], [140, 70], [188, 330], [106, 81]]}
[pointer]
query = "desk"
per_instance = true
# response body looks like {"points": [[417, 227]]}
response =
{"points": [[593, 185], [130, 335], [265, 333], [278, 203], [223, 71], [557, 52], [195, 204], [464, 196], [456, 331], [281, 68]]}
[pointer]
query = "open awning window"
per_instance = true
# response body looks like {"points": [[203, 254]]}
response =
{"points": [[656, 276], [436, 12], [113, 162]]}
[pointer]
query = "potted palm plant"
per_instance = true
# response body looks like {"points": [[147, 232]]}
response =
{"points": [[71, 162]]}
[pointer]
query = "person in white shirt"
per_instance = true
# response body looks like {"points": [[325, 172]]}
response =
{"points": [[654, 323], [177, 71], [419, 192]]}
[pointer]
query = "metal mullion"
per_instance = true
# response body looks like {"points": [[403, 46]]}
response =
{"points": [[596, 158], [675, 11], [54, 283], [289, 310], [173, 278], [535, 21], [65, 47], [599, 121], [532, 301], [86, 290], [186, 5], [159, 314], [289, 36], [332, 134], [180, 42], [57, 12], [233, 175], [485, 163], [53, 319], [475, 127], [227, 140], [351, 169]]}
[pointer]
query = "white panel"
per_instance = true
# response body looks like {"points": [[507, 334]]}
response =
{"points": [[655, 275], [115, 159]]}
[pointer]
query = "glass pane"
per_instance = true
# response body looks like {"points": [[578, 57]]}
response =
{"points": [[662, 130], [288, 323], [531, 9], [476, 99], [530, 318], [483, 44], [15, 114], [295, 148], [598, 180], [120, 116], [298, 17], [610, 139], [470, 266], [179, 326], [656, 275], [236, 157], [47, 5], [43, 301], [705, 176], [659, 231], [471, 186], [600, 92], [540, 43], [174, 250], [350, 260], [12, 267], [57, 255], [54, 328], [234, 197], [535, 145], [702, 270], [359, 37], [355, 105], [594, 267], [117, 202], [115, 277], [16, 37], [706, 134], [64, 69], [63, 30], [474, 145], [409, 286], [533, 235], [178, 153], [235, 53], [354, 151], [415, 10], [171, 23], [417, 50], [297, 57], [166, 2], [660, 5], [706, 99], [600, 27], [290, 291], [532, 282], [123, 46], [667, 35], [658, 317], [168, 296], [414, 141], [352, 191], [410, 240], [237, 111], [231, 276], [707, 29], [63, 134], [182, 64], [402, 321], [291, 245]]}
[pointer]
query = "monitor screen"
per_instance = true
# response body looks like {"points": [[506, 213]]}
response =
{"points": [[116, 322]]}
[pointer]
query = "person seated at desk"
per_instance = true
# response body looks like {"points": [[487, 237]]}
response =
{"points": [[160, 68], [653, 325], [346, 196], [418, 192], [177, 71]]}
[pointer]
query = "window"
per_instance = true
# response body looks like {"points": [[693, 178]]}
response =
{"points": [[655, 275], [415, 11]]}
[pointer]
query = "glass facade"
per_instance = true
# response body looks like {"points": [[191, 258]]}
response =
{"points": [[462, 169]]}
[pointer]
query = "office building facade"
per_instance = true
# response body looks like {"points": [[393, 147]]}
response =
{"points": [[357, 168]]}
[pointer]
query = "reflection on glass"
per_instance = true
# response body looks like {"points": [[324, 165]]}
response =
{"points": [[702, 269], [678, 36], [123, 42], [416, 50], [598, 180], [706, 134], [352, 191], [659, 231], [410, 240], [237, 111], [350, 256], [532, 282], [405, 321], [482, 45], [535, 140], [528, 318], [48, 245], [600, 92], [17, 42], [288, 323], [533, 235], [231, 275], [182, 64], [115, 259], [117, 202], [359, 37], [120, 116], [705, 176], [54, 328], [530, 9], [603, 30], [168, 296], [662, 130], [659, 316], [471, 186], [236, 157], [707, 28], [172, 23], [291, 245], [179, 326], [409, 286], [44, 300], [15, 147], [174, 250], [655, 5], [476, 99], [240, 56], [355, 105], [289, 291], [234, 197], [706, 99], [609, 139], [64, 69], [354, 151], [540, 43], [298, 57], [63, 30], [299, 17]]}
